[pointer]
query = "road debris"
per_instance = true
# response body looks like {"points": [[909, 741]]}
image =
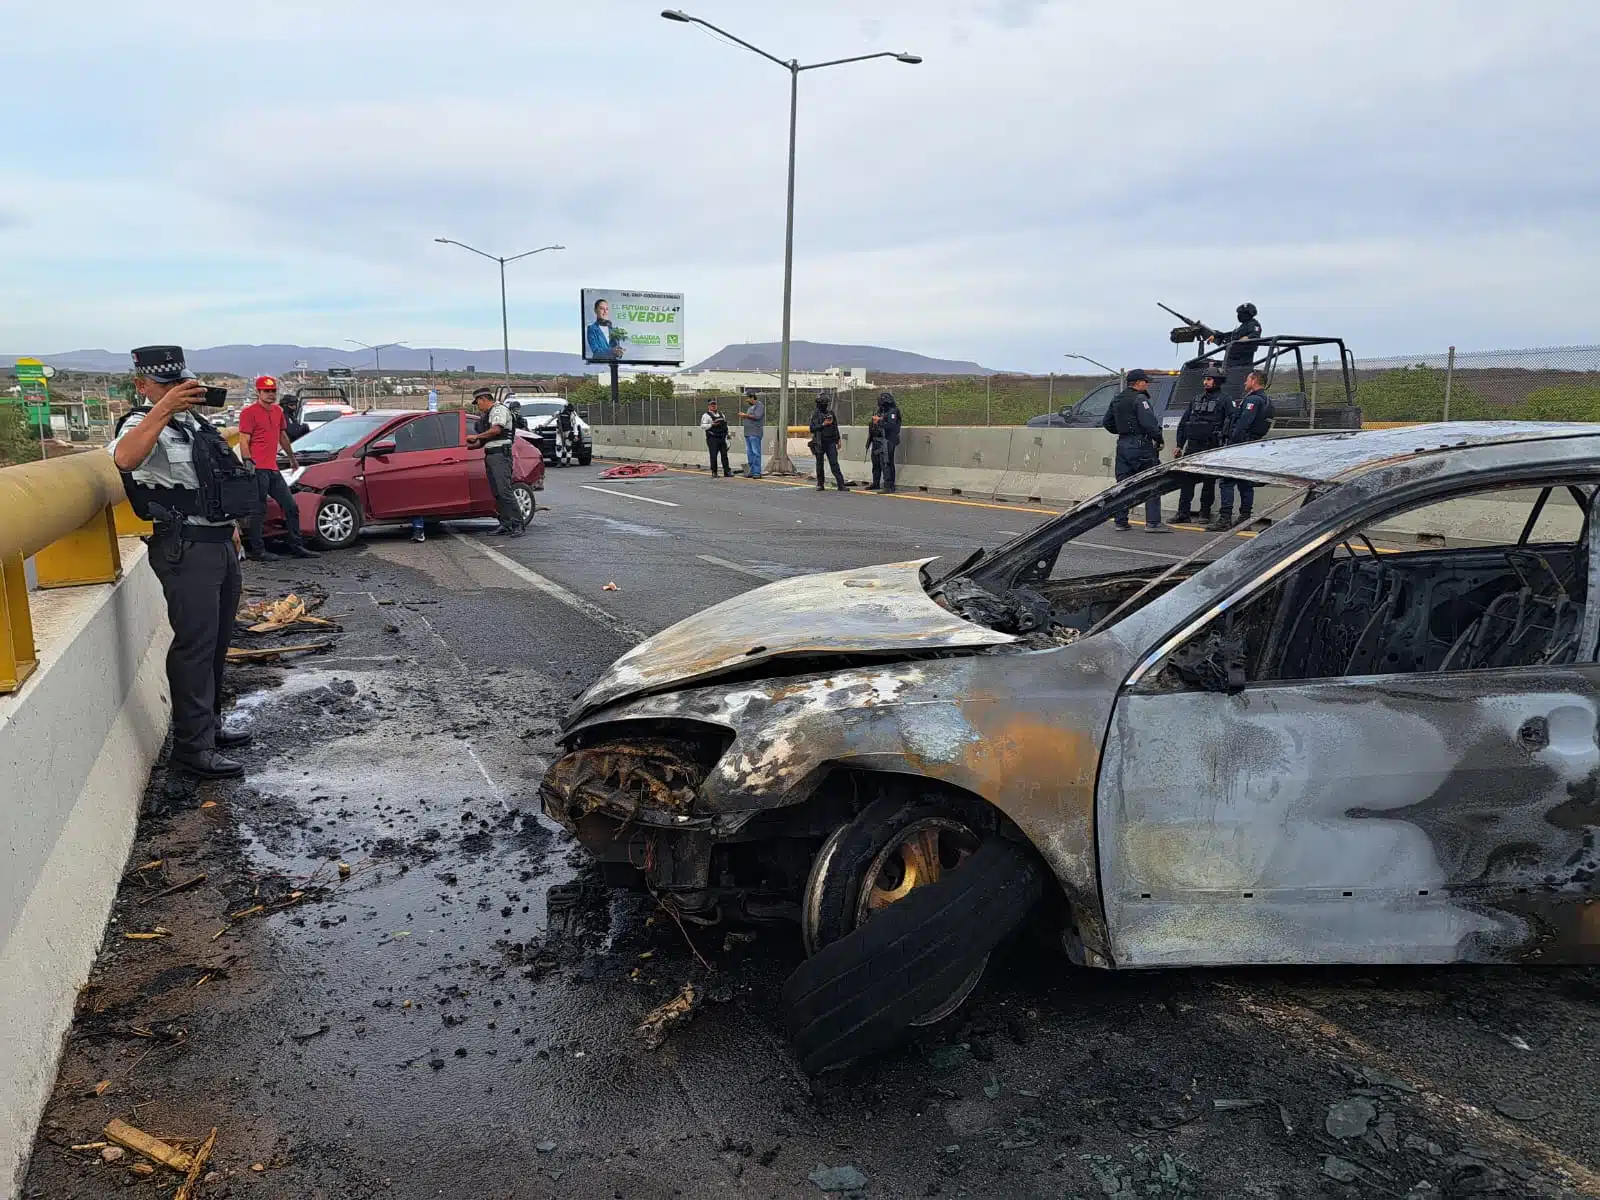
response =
{"points": [[201, 1157], [148, 935], [176, 888], [271, 653], [681, 1008], [611, 587], [633, 470], [1350, 1117], [1236, 1105], [273, 616], [1340, 1170], [113, 1154], [140, 1142], [845, 1178], [100, 1088], [1521, 1110]]}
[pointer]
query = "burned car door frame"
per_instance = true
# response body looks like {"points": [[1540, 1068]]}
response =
{"points": [[1432, 799]]}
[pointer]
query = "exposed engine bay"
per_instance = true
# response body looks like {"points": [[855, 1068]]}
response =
{"points": [[1055, 612]]}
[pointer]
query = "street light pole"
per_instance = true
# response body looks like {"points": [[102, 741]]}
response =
{"points": [[377, 362], [1096, 362], [505, 323], [781, 465]]}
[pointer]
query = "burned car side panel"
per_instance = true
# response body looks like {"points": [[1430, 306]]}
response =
{"points": [[1407, 819], [1019, 730]]}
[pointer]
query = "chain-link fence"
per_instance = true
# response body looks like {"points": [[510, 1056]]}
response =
{"points": [[1559, 383]]}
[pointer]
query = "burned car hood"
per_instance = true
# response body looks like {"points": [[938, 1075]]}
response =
{"points": [[879, 610]]}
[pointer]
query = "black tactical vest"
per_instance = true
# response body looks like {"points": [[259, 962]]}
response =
{"points": [[227, 488]]}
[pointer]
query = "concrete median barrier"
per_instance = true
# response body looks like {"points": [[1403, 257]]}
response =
{"points": [[77, 741]]}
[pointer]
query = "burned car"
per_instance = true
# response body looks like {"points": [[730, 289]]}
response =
{"points": [[1362, 732]]}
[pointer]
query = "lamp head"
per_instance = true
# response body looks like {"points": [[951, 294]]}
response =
{"points": [[675, 14], [912, 59]]}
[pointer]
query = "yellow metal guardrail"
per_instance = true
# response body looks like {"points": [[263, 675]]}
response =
{"points": [[60, 512]]}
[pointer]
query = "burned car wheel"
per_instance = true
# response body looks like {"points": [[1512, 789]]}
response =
{"points": [[888, 851], [859, 995]]}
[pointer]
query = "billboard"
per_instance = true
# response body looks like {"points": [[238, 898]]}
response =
{"points": [[644, 328]]}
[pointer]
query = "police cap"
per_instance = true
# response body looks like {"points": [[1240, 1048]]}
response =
{"points": [[1137, 375], [483, 393], [164, 364]]}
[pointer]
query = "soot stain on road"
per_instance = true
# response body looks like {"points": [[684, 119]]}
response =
{"points": [[459, 1014]]}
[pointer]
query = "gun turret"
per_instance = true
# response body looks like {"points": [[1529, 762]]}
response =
{"points": [[1191, 330]]}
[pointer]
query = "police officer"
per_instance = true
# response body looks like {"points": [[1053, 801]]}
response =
{"points": [[1241, 344], [1248, 328], [1200, 428], [180, 474], [825, 444], [493, 431], [1138, 432], [883, 438], [1248, 421]]}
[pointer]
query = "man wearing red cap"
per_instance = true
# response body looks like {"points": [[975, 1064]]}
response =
{"points": [[262, 432]]}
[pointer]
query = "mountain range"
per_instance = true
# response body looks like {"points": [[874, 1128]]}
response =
{"points": [[409, 360]]}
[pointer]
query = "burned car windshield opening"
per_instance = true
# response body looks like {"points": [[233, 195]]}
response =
{"points": [[1065, 579]]}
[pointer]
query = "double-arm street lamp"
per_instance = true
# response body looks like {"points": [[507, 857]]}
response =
{"points": [[780, 456], [377, 364], [505, 326]]}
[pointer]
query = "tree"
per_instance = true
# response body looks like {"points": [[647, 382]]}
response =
{"points": [[17, 445]]}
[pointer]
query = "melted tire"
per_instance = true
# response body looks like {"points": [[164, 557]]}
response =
{"points": [[858, 996]]}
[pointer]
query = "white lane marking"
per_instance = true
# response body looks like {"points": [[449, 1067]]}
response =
{"points": [[1129, 550], [629, 496], [757, 572], [1009, 532], [555, 591]]}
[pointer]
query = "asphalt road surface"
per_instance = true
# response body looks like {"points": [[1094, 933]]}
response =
{"points": [[457, 1017]]}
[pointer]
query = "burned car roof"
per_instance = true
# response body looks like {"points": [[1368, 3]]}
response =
{"points": [[1324, 458]]}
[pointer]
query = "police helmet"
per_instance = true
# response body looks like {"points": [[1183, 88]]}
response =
{"points": [[1246, 311]]}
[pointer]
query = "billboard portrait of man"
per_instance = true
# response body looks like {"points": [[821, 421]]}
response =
{"points": [[600, 342]]}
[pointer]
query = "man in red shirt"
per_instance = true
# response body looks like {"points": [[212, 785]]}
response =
{"points": [[262, 432]]}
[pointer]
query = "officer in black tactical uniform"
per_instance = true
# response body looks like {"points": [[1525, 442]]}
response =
{"points": [[1241, 344], [883, 439], [180, 475], [825, 443], [1200, 428], [1249, 420], [1138, 432]]}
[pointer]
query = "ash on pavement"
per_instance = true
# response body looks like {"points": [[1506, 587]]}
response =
{"points": [[459, 1015]]}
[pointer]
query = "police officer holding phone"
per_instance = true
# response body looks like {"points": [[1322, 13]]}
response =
{"points": [[181, 475]]}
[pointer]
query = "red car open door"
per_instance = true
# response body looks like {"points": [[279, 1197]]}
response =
{"points": [[425, 475]]}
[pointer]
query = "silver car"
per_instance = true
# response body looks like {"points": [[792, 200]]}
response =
{"points": [[1362, 730]]}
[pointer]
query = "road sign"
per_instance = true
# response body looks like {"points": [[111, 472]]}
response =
{"points": [[341, 373]]}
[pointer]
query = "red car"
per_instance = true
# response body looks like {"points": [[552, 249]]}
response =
{"points": [[384, 467]]}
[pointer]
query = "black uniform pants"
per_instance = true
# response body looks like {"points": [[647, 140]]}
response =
{"points": [[716, 447], [1208, 489], [271, 483], [1135, 454], [498, 465], [201, 584], [829, 451], [883, 465]]}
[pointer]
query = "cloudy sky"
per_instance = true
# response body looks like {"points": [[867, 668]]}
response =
{"points": [[1406, 174]]}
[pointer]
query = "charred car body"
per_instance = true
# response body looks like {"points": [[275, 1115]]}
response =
{"points": [[1348, 738]]}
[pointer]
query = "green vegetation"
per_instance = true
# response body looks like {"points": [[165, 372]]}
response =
{"points": [[1417, 394], [17, 443]]}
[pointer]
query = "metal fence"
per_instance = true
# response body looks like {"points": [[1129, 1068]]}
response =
{"points": [[958, 400], [1556, 383], [1560, 383]]}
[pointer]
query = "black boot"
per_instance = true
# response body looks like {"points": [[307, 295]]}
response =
{"points": [[208, 764], [1224, 521]]}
